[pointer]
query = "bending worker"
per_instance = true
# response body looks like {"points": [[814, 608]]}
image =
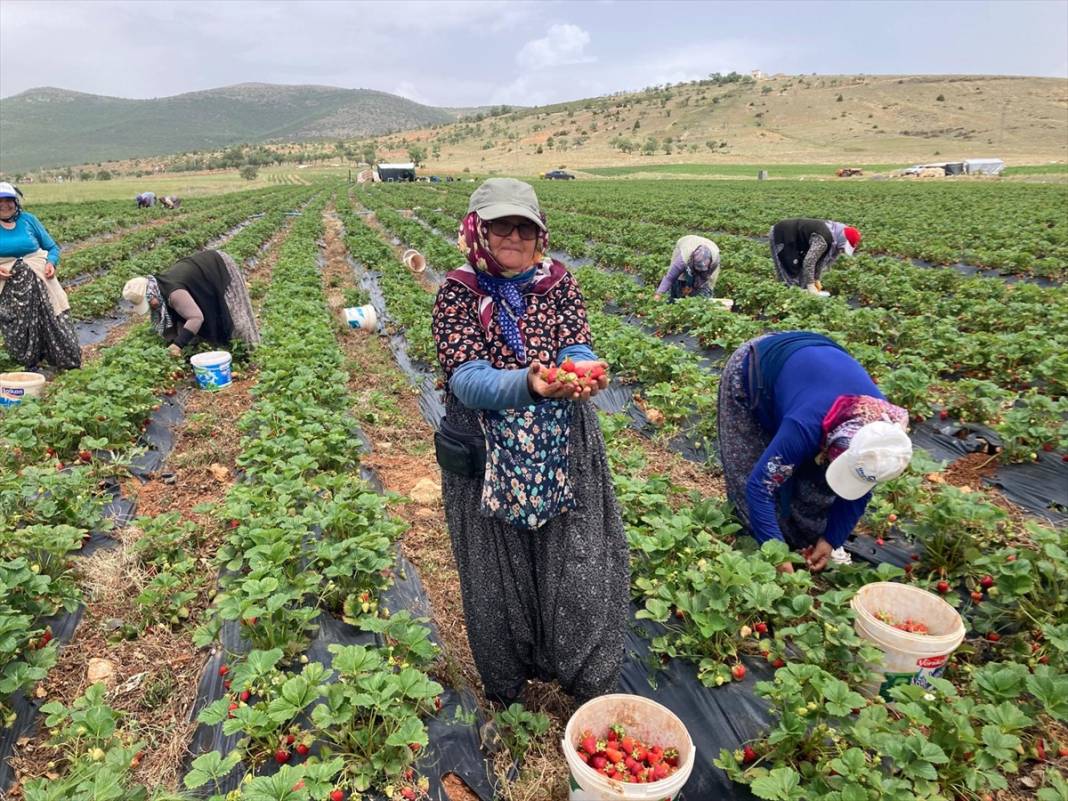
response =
{"points": [[200, 297], [803, 250], [694, 269], [804, 436]]}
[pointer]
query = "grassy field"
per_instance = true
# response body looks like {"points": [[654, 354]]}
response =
{"points": [[733, 170], [186, 184]]}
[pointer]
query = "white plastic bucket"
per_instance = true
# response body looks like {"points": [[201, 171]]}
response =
{"points": [[414, 260], [16, 386], [647, 720], [361, 317], [909, 658], [212, 369]]}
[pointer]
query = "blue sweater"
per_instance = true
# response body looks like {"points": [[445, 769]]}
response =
{"points": [[28, 236], [808, 385]]}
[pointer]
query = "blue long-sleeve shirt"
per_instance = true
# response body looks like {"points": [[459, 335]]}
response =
{"points": [[28, 236], [479, 385], [810, 381]]}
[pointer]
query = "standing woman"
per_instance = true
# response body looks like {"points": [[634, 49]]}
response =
{"points": [[34, 310], [804, 437], [529, 500], [803, 250], [200, 297]]}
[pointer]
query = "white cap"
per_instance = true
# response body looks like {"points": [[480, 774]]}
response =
{"points": [[134, 291], [7, 190], [879, 451]]}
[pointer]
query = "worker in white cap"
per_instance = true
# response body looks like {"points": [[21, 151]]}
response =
{"points": [[805, 435], [34, 310], [199, 298]]}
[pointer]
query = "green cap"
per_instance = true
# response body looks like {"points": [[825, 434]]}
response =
{"points": [[506, 197]]}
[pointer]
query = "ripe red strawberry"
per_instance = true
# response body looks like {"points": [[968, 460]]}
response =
{"points": [[59, 466], [738, 671], [245, 695], [760, 627], [408, 794], [627, 744], [942, 415], [550, 375], [250, 621], [613, 754], [85, 456], [281, 756], [1040, 749], [986, 582], [235, 523], [891, 518], [337, 795], [569, 366], [748, 754], [223, 670], [1062, 751], [51, 452], [437, 703], [942, 586], [1010, 558], [880, 542], [1047, 446], [414, 747], [290, 739], [993, 636], [302, 749], [660, 771], [597, 762], [778, 663], [232, 708], [977, 597], [596, 372], [589, 744]]}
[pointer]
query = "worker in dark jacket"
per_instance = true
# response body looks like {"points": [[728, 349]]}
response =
{"points": [[200, 297], [803, 250], [804, 436]]}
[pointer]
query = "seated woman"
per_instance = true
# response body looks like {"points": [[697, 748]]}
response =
{"points": [[201, 297], [804, 436], [34, 310]]}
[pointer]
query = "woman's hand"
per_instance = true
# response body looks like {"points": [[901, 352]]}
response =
{"points": [[558, 389], [816, 556], [5, 273], [785, 567], [49, 270], [174, 350]]}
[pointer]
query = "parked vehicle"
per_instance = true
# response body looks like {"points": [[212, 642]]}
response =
{"points": [[558, 175]]}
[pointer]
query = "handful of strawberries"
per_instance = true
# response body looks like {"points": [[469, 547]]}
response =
{"points": [[625, 758], [569, 374]]}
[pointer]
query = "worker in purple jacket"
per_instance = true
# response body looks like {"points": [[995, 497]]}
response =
{"points": [[694, 269], [804, 437]]}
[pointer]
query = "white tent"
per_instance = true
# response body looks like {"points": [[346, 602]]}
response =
{"points": [[983, 166]]}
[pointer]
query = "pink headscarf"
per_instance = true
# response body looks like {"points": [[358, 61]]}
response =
{"points": [[850, 413]]}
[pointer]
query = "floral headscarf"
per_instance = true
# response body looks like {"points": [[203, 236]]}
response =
{"points": [[496, 280], [160, 315], [850, 413]]}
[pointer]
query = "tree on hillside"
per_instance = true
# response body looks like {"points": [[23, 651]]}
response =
{"points": [[417, 154], [249, 172], [369, 155]]}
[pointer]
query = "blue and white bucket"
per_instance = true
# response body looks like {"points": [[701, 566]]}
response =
{"points": [[361, 317], [212, 369], [16, 386]]}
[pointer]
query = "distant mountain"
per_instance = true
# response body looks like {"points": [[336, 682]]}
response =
{"points": [[53, 127]]}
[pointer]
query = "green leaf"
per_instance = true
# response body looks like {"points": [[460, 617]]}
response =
{"points": [[781, 784]]}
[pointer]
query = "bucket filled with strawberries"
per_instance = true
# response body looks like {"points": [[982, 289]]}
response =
{"points": [[626, 747]]}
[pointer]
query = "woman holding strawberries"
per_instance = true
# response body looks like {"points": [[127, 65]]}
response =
{"points": [[529, 501]]}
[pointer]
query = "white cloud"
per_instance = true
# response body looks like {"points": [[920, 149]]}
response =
{"points": [[563, 44], [408, 89]]}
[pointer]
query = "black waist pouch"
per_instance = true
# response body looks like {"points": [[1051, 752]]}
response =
{"points": [[460, 451]]}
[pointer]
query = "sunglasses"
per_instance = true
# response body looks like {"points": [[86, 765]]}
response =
{"points": [[504, 228]]}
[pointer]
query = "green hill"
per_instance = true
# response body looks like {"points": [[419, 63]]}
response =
{"points": [[54, 127]]}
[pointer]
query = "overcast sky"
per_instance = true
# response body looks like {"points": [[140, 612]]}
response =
{"points": [[526, 53]]}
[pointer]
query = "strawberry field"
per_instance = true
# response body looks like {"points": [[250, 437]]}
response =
{"points": [[241, 595]]}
